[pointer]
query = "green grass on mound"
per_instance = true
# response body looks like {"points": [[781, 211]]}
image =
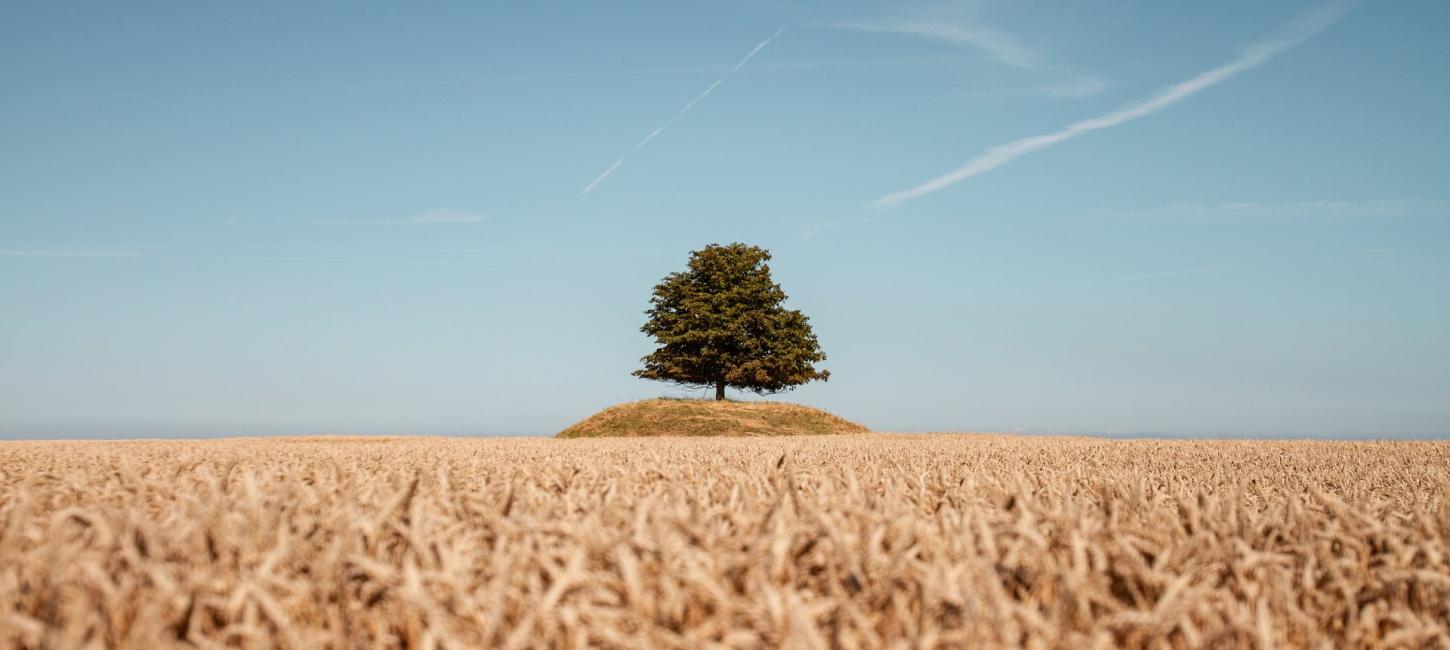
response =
{"points": [[685, 417]]}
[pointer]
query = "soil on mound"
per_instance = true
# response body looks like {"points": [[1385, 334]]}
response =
{"points": [[687, 417]]}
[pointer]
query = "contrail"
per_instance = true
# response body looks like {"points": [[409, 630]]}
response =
{"points": [[680, 113], [1299, 30], [605, 175]]}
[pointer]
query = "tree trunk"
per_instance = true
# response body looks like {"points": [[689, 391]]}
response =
{"points": [[719, 390]]}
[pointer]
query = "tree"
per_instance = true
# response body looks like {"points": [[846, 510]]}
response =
{"points": [[722, 323]]}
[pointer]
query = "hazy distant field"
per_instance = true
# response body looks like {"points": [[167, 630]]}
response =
{"points": [[848, 541]]}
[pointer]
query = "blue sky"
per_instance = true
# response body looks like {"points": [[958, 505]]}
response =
{"points": [[1119, 218]]}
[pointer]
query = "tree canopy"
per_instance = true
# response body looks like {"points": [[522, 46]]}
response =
{"points": [[722, 322]]}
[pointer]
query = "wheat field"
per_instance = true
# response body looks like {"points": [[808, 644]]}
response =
{"points": [[859, 541]]}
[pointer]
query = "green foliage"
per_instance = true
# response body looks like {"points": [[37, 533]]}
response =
{"points": [[722, 323]]}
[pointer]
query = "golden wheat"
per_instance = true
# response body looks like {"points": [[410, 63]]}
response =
{"points": [[845, 541]]}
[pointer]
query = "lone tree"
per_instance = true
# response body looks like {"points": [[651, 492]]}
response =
{"points": [[722, 323]]}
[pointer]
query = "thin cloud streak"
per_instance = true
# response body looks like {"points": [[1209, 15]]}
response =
{"points": [[431, 217], [1002, 47], [117, 255], [1151, 275], [1084, 85], [1298, 31], [680, 113], [502, 78], [1299, 209]]}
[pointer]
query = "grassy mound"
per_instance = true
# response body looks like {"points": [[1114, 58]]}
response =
{"points": [[689, 417]]}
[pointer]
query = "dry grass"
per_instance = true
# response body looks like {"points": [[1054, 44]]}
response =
{"points": [[693, 417], [845, 541]]}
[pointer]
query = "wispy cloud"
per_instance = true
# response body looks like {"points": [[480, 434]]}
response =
{"points": [[999, 45], [1195, 270], [1297, 209], [680, 113], [422, 218], [1299, 30], [131, 255], [491, 79], [1084, 85]]}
